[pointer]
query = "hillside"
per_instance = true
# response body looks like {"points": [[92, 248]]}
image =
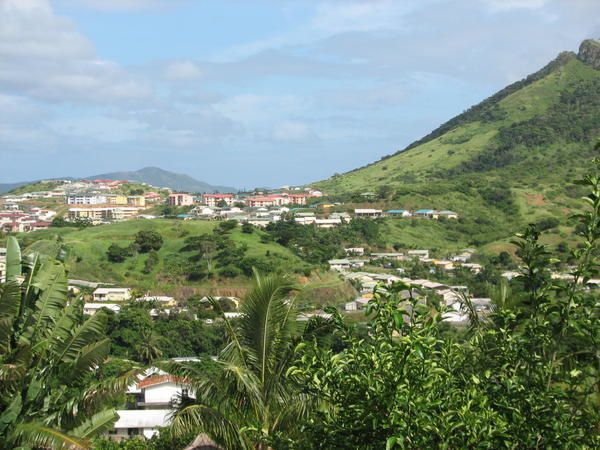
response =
{"points": [[163, 178], [505, 162], [86, 249]]}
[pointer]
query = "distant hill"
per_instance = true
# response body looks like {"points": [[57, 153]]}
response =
{"points": [[163, 178], [505, 162]]}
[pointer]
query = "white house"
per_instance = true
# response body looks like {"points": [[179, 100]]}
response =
{"points": [[139, 422], [368, 212], [421, 254], [154, 396], [111, 294], [339, 264], [92, 308]]}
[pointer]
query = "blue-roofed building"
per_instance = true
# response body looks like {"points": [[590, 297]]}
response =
{"points": [[426, 213], [398, 213]]}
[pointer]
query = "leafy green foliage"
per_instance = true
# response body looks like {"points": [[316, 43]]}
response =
{"points": [[246, 402], [52, 393], [148, 240], [526, 377]]}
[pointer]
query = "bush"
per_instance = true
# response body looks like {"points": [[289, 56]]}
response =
{"points": [[148, 241]]}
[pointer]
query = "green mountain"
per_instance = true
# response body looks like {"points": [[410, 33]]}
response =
{"points": [[502, 163], [163, 178]]}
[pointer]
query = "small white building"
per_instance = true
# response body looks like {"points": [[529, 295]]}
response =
{"points": [[92, 308], [139, 422], [111, 294], [368, 212], [420, 254], [339, 264]]}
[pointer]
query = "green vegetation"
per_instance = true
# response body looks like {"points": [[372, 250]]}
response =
{"points": [[247, 402], [500, 165], [86, 253], [53, 393]]}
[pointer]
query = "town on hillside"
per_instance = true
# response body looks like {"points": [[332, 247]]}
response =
{"points": [[95, 202]]}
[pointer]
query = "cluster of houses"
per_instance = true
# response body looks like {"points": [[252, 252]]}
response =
{"points": [[405, 213], [357, 258], [451, 296], [15, 221]]}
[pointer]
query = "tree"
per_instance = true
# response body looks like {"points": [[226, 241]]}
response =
{"points": [[52, 393], [526, 377], [148, 241], [248, 403], [117, 254]]}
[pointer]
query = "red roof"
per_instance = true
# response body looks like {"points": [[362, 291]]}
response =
{"points": [[159, 379], [218, 195]]}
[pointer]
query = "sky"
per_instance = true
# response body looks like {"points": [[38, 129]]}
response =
{"points": [[255, 92]]}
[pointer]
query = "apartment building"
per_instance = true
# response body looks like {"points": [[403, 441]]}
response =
{"points": [[180, 199]]}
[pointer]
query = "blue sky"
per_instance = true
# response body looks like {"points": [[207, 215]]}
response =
{"points": [[252, 93]]}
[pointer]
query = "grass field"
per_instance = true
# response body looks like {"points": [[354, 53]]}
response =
{"points": [[86, 253]]}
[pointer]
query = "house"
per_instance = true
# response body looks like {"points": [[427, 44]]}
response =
{"points": [[343, 216], [92, 308], [153, 398], [162, 299], [85, 199], [327, 223], [351, 306], [111, 294], [152, 197], [473, 267], [180, 199], [214, 200], [139, 422], [99, 214], [426, 213], [368, 212], [339, 264], [392, 255], [398, 213], [510, 274], [447, 214], [420, 254]]}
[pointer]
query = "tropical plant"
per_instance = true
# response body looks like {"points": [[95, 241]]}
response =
{"points": [[247, 402], [527, 376], [51, 393]]}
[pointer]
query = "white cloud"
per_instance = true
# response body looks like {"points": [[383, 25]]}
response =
{"points": [[183, 70], [292, 131], [123, 5], [505, 5], [43, 56]]}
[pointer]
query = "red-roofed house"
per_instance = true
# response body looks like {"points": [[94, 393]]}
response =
{"points": [[213, 200]]}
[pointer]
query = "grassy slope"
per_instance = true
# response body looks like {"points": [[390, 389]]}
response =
{"points": [[86, 258], [414, 173]]}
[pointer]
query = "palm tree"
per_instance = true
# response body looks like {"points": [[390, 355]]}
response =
{"points": [[247, 402], [49, 357]]}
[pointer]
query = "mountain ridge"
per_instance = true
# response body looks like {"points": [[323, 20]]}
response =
{"points": [[504, 162], [163, 178], [152, 175]]}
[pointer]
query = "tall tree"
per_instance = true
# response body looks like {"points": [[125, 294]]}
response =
{"points": [[247, 401]]}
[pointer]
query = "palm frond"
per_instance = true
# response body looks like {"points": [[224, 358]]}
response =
{"points": [[204, 419], [13, 259], [88, 332], [10, 299], [96, 425], [52, 282], [90, 357], [36, 434]]}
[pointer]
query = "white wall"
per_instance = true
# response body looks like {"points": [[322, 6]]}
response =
{"points": [[162, 393]]}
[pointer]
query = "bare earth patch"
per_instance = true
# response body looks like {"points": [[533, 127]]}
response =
{"points": [[535, 199]]}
